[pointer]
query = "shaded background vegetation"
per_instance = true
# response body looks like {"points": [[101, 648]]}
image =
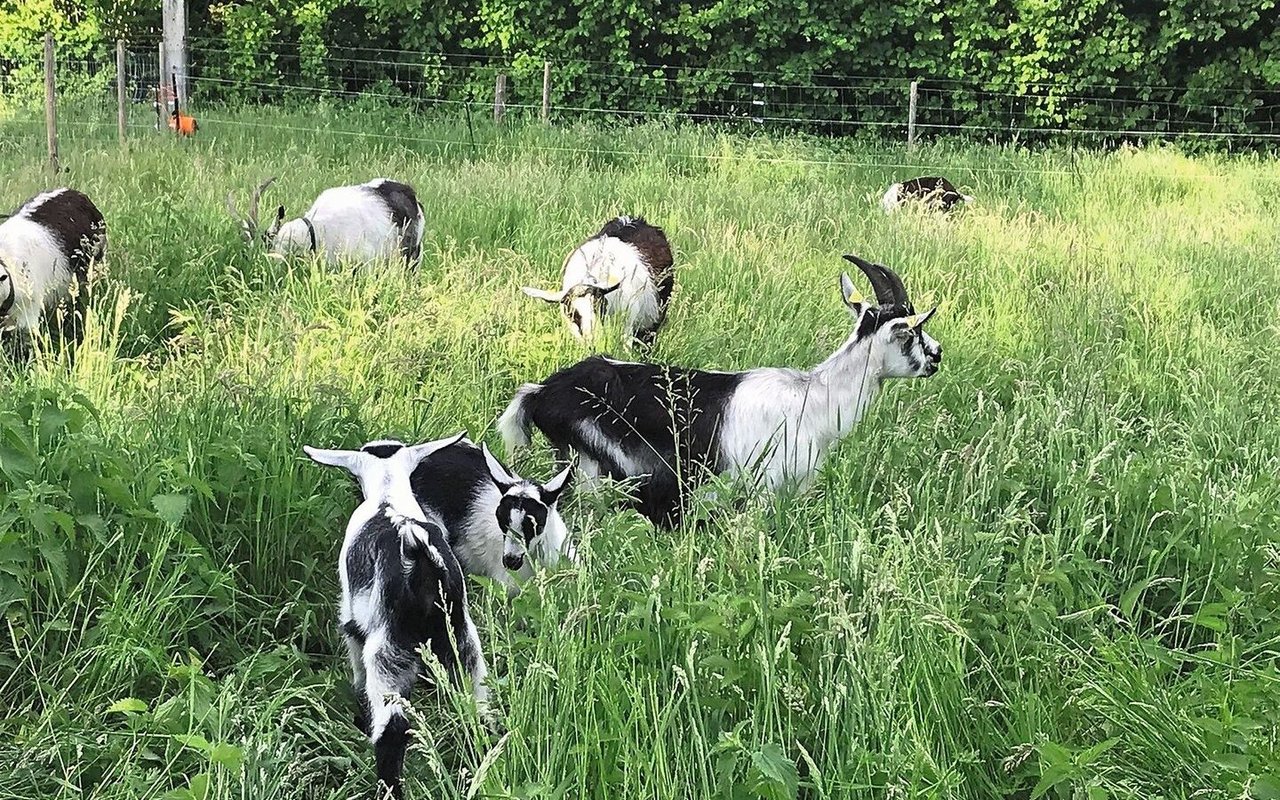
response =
{"points": [[1168, 65]]}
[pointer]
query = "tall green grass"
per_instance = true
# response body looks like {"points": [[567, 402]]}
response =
{"points": [[1051, 570]]}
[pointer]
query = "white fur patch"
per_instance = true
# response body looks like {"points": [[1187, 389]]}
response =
{"points": [[596, 261]]}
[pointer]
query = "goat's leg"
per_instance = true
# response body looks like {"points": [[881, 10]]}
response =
{"points": [[389, 675], [355, 654]]}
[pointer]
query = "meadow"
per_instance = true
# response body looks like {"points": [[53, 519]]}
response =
{"points": [[1051, 570]]}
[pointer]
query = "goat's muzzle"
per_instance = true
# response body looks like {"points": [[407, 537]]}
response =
{"points": [[512, 561]]}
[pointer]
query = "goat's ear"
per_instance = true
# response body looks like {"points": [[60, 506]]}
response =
{"points": [[852, 298], [552, 489], [916, 320], [420, 451], [501, 476], [280, 214], [543, 294], [347, 459]]}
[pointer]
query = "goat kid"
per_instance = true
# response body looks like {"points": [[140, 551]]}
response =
{"points": [[370, 222], [934, 192], [626, 270], [668, 427], [402, 588], [47, 247], [495, 518]]}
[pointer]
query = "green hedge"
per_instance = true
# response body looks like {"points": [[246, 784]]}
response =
{"points": [[1179, 65]]}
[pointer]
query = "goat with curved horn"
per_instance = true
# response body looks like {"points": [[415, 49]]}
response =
{"points": [[888, 287]]}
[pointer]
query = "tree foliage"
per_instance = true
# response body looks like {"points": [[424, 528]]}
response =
{"points": [[1138, 62]]}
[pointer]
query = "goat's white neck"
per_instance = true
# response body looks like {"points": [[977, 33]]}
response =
{"points": [[841, 389]]}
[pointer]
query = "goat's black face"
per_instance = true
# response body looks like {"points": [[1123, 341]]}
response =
{"points": [[522, 516]]}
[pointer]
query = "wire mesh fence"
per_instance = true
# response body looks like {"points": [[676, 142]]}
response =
{"points": [[225, 75]]}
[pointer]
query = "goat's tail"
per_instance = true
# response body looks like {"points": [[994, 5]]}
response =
{"points": [[514, 424], [388, 752]]}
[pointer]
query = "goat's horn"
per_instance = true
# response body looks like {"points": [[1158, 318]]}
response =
{"points": [[257, 195], [884, 281]]}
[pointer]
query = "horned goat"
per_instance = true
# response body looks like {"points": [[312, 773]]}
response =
{"points": [[402, 588], [373, 221], [669, 427], [625, 270]]}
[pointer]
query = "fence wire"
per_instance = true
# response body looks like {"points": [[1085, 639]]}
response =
{"points": [[228, 75]]}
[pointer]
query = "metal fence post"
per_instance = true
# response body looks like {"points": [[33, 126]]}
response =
{"points": [[500, 98]]}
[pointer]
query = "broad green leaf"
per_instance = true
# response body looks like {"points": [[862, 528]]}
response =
{"points": [[228, 755], [127, 705], [777, 769], [171, 507]]}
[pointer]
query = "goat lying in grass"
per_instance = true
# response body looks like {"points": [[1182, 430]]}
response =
{"points": [[933, 191], [402, 588], [667, 427]]}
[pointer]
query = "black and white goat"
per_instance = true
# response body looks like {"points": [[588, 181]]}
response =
{"points": [[494, 517], [402, 588], [47, 247], [373, 221], [626, 269], [933, 191], [669, 427]]}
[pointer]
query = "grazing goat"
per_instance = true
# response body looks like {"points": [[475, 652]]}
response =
{"points": [[402, 588], [47, 247], [625, 269], [934, 192], [494, 517], [373, 221], [670, 426]]}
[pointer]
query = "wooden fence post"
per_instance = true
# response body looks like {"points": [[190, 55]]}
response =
{"points": [[546, 93], [161, 72], [50, 102], [500, 98], [175, 43], [120, 86], [911, 117]]}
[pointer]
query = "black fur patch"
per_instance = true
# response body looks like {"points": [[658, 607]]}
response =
{"points": [[382, 450], [76, 224], [448, 481], [667, 418], [535, 515], [947, 195], [350, 628], [878, 316], [388, 754], [402, 203]]}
